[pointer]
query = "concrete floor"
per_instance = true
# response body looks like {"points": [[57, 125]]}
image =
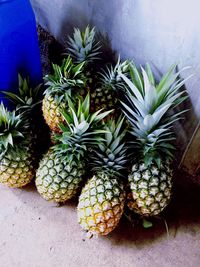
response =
{"points": [[39, 234]]}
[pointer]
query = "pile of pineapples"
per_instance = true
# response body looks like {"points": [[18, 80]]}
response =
{"points": [[112, 141]]}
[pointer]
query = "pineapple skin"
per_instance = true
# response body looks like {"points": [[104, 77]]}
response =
{"points": [[150, 189], [101, 204], [17, 171], [103, 99], [51, 113], [57, 180]]}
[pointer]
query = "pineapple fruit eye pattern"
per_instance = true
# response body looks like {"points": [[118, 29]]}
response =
{"points": [[58, 181], [150, 189], [106, 94], [67, 80], [16, 155], [62, 169], [111, 129], [146, 107], [101, 203]]}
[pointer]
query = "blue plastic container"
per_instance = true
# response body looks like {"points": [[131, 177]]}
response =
{"points": [[19, 50]]}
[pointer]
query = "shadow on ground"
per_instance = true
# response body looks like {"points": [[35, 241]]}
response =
{"points": [[182, 215]]}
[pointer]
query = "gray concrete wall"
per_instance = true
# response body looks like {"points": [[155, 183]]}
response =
{"points": [[160, 32]]}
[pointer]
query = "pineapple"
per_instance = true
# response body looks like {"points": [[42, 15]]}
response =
{"points": [[62, 169], [103, 86], [16, 159], [106, 94], [84, 47], [27, 101], [66, 80], [101, 203], [147, 108]]}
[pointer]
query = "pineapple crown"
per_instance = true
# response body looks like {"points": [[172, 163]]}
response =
{"points": [[27, 98], [65, 79], [110, 157], [147, 105], [82, 130], [111, 76], [13, 130], [83, 47]]}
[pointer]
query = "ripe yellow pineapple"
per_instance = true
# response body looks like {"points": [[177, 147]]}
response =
{"points": [[101, 203], [146, 107], [66, 81], [16, 157], [52, 112]]}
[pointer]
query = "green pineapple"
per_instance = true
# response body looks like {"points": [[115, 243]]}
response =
{"points": [[84, 47], [103, 85], [27, 101], [107, 93], [16, 157], [101, 203], [62, 169], [147, 107], [66, 80]]}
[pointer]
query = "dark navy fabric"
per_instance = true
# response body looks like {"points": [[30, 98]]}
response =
{"points": [[19, 51]]}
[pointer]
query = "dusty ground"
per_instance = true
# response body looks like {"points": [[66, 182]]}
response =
{"points": [[36, 233]]}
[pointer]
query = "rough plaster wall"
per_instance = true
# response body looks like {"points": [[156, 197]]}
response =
{"points": [[160, 32]]}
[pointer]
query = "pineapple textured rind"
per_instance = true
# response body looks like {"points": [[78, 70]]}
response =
{"points": [[106, 95], [17, 171], [17, 160], [57, 180], [150, 188], [51, 113], [101, 204], [148, 106], [67, 80], [63, 167]]}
